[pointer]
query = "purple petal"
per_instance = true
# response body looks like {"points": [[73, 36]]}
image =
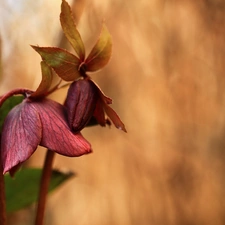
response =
{"points": [[104, 98], [80, 103], [21, 135], [56, 134], [99, 113]]}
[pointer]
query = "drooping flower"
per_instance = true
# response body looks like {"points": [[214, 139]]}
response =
{"points": [[40, 122]]}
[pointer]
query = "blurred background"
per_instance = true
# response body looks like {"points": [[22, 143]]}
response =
{"points": [[166, 78]]}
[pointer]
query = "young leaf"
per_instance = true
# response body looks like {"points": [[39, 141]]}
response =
{"points": [[22, 190], [7, 106], [65, 64], [70, 30], [45, 82], [101, 52]]}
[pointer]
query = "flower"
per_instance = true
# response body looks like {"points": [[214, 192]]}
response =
{"points": [[38, 122], [84, 101]]}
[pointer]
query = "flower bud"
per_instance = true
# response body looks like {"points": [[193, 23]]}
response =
{"points": [[80, 103]]}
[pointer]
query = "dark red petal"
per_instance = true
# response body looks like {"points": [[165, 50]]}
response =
{"points": [[103, 103], [21, 135], [99, 113], [104, 98], [56, 132], [80, 103]]}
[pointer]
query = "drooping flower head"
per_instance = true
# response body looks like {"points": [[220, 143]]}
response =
{"points": [[38, 121]]}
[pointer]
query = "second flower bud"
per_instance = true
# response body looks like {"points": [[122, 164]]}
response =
{"points": [[80, 103]]}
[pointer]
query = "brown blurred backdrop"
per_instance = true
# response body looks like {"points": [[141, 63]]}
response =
{"points": [[166, 78]]}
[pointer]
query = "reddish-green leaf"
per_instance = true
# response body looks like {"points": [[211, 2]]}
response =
{"points": [[101, 52], [70, 30], [65, 64], [45, 82], [99, 113]]}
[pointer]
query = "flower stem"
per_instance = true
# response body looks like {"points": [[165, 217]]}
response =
{"points": [[2, 195], [44, 185], [17, 91]]}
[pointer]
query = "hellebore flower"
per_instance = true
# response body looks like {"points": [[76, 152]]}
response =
{"points": [[84, 101], [40, 122]]}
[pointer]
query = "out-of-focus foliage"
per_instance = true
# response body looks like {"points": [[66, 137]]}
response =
{"points": [[22, 190]]}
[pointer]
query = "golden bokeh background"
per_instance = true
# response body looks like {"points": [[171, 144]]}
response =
{"points": [[166, 78]]}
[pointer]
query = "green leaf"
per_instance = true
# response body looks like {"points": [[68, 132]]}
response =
{"points": [[70, 30], [22, 190], [7, 106], [45, 82], [101, 52], [65, 64]]}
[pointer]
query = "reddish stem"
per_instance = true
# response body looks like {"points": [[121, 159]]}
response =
{"points": [[2, 195], [17, 91], [43, 191]]}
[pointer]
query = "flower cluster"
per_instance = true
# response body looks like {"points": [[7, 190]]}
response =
{"points": [[41, 121]]}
